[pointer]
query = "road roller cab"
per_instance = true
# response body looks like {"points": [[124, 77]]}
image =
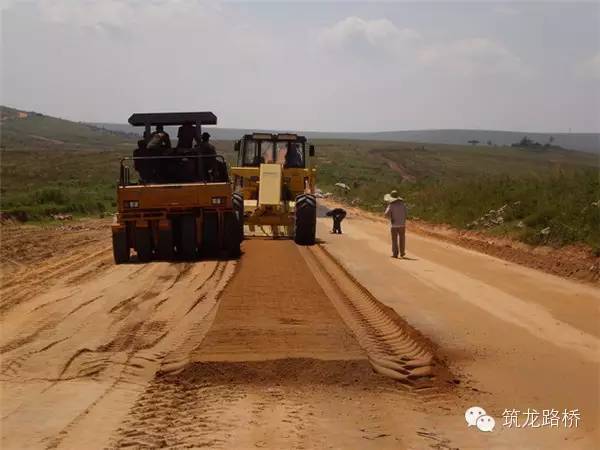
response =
{"points": [[175, 202], [274, 182]]}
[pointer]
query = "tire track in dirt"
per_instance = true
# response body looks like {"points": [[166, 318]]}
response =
{"points": [[238, 386], [394, 348], [143, 355], [164, 364], [22, 288]]}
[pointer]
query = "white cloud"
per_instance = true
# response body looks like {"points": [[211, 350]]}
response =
{"points": [[355, 33], [408, 48], [260, 66], [475, 56], [590, 68]]}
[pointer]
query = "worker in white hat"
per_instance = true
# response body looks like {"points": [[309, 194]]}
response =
{"points": [[396, 212]]}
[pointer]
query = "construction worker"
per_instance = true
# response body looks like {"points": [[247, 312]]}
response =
{"points": [[159, 139], [337, 214], [205, 148], [185, 168], [186, 135], [144, 167], [208, 160], [396, 212], [293, 157]]}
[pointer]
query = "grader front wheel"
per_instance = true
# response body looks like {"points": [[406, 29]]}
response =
{"points": [[305, 219]]}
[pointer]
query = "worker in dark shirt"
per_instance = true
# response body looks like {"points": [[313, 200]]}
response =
{"points": [[186, 135], [205, 148], [144, 167], [208, 162], [185, 166], [337, 214]]}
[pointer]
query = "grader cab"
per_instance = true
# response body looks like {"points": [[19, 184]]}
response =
{"points": [[174, 202], [274, 182]]}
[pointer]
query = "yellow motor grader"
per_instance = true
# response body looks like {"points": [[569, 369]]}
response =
{"points": [[274, 184]]}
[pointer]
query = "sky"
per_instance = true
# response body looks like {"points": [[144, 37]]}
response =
{"points": [[320, 66]]}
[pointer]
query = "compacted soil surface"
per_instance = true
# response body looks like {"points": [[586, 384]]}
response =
{"points": [[331, 346]]}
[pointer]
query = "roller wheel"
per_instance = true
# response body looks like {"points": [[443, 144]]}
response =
{"points": [[231, 234], [306, 219], [238, 208], [188, 246], [210, 234], [143, 243], [120, 247], [165, 249]]}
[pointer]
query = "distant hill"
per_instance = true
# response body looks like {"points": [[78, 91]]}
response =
{"points": [[27, 129], [586, 142], [24, 129]]}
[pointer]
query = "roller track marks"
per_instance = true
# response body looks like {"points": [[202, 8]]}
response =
{"points": [[393, 347]]}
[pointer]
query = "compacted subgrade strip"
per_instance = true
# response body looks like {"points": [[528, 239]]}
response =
{"points": [[392, 348]]}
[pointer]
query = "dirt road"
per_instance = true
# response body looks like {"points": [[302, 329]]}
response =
{"points": [[279, 349], [521, 338]]}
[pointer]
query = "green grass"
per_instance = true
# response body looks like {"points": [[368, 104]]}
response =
{"points": [[44, 132], [76, 171], [456, 185], [44, 183], [41, 183]]}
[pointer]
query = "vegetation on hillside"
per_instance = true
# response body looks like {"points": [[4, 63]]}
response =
{"points": [[37, 184], [31, 130], [548, 196]]}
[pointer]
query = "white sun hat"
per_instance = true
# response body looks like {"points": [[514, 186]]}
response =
{"points": [[392, 196]]}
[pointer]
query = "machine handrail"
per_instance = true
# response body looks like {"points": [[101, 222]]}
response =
{"points": [[124, 174]]}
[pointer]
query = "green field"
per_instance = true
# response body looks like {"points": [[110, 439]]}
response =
{"points": [[556, 189], [53, 166]]}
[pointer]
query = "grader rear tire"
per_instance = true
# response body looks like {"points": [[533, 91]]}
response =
{"points": [[143, 243], [120, 247], [188, 250], [305, 219]]}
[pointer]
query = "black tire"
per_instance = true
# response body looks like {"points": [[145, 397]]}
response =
{"points": [[305, 224], [231, 234], [188, 249], [143, 243], [210, 234], [165, 246], [120, 247], [238, 208]]}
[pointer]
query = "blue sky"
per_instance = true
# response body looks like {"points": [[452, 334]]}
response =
{"points": [[337, 66]]}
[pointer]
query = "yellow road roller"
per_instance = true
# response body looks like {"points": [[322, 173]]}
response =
{"points": [[175, 202]]}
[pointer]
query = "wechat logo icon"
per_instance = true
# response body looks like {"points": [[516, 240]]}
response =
{"points": [[476, 416]]}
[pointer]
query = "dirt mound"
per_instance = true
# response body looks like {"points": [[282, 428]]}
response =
{"points": [[289, 371]]}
